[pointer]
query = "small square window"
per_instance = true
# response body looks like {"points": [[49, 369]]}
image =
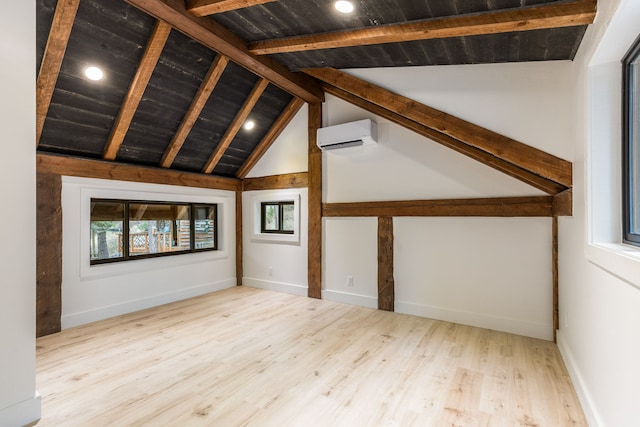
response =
{"points": [[277, 217]]}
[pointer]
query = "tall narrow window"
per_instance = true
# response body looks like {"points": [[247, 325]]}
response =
{"points": [[107, 220], [277, 217], [631, 145], [204, 221]]}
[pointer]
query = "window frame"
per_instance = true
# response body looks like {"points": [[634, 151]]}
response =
{"points": [[280, 204], [126, 256], [628, 187]]}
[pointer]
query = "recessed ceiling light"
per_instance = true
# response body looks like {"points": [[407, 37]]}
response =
{"points": [[344, 6], [94, 73], [249, 125]]}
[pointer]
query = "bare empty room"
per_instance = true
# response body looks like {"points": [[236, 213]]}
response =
{"points": [[311, 213]]}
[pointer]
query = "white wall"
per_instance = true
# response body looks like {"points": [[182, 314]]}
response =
{"points": [[599, 334], [271, 262], [288, 154], [500, 268], [91, 293], [489, 272], [19, 402]]}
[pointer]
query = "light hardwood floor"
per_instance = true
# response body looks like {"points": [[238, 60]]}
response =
{"points": [[249, 357]]}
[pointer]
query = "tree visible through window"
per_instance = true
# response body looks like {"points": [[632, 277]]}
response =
{"points": [[631, 147], [277, 217], [122, 230]]}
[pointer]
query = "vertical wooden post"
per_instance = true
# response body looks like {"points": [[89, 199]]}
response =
{"points": [[314, 263], [239, 253], [48, 254], [386, 284], [554, 255]]}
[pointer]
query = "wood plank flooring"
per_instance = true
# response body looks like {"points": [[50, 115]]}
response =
{"points": [[249, 357]]}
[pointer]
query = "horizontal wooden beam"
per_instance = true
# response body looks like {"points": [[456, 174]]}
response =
{"points": [[61, 26], [521, 156], [276, 182], [214, 36], [210, 7], [553, 15], [70, 166], [139, 84], [273, 133], [537, 206], [541, 183]]}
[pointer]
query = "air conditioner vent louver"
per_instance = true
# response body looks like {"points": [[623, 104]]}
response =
{"points": [[352, 134]]}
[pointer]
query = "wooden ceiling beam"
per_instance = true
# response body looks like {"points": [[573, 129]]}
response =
{"points": [[214, 36], [544, 16], [536, 206], [61, 26], [522, 157], [268, 140], [206, 89], [136, 90], [71, 166], [235, 126], [211, 7]]}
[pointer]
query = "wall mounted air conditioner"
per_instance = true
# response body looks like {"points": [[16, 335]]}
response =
{"points": [[352, 134]]}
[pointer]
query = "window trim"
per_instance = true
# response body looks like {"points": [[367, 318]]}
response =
{"points": [[125, 230], [627, 90], [281, 204], [255, 199]]}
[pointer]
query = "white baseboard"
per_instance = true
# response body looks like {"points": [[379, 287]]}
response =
{"points": [[347, 298], [81, 318], [582, 391], [22, 413], [286, 288], [480, 320]]}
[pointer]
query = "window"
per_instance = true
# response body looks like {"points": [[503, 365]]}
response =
{"points": [[277, 217], [122, 230], [631, 147]]}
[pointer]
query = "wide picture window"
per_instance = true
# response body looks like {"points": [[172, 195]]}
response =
{"points": [[123, 230], [631, 145]]}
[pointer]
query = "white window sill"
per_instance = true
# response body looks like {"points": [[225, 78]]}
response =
{"points": [[623, 261], [276, 238]]}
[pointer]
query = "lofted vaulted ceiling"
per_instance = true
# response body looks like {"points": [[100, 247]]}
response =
{"points": [[182, 78]]}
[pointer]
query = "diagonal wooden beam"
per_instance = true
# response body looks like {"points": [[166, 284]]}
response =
{"points": [[211, 7], [543, 184], [61, 26], [235, 126], [214, 36], [554, 15], [200, 100], [508, 151], [136, 90], [275, 131]]}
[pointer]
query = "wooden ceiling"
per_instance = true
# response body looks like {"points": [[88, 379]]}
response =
{"points": [[181, 78]]}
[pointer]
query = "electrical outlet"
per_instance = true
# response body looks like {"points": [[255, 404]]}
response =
{"points": [[270, 271], [349, 280]]}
